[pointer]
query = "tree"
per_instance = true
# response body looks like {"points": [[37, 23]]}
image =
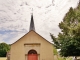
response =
{"points": [[56, 42], [3, 49], [69, 38]]}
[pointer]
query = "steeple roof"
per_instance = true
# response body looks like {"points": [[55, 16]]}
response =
{"points": [[32, 27]]}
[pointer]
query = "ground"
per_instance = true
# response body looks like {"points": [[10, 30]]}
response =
{"points": [[3, 58], [55, 58]]}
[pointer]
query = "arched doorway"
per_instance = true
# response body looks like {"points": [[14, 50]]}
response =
{"points": [[32, 55]]}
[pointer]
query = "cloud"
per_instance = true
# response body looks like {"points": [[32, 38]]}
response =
{"points": [[15, 17], [15, 37], [10, 36]]}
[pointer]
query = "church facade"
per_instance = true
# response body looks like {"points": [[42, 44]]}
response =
{"points": [[31, 46]]}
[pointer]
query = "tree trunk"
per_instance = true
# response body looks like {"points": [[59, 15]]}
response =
{"points": [[74, 58]]}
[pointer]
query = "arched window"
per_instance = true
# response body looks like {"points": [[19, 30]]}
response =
{"points": [[32, 52]]}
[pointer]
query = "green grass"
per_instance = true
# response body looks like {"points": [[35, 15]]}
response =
{"points": [[55, 51], [3, 58], [58, 57], [62, 58]]}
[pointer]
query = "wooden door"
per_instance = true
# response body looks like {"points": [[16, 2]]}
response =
{"points": [[32, 57]]}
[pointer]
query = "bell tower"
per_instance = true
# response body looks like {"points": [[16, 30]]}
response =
{"points": [[32, 27]]}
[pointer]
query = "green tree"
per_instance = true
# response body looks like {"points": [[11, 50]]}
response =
{"points": [[3, 49], [69, 38], [56, 42]]}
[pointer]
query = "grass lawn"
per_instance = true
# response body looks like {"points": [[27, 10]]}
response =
{"points": [[3, 58]]}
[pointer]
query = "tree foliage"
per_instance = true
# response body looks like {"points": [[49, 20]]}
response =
{"points": [[56, 43], [3, 49], [69, 38]]}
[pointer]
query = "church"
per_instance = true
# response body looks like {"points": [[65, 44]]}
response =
{"points": [[31, 46]]}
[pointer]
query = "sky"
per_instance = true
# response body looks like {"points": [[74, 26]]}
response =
{"points": [[15, 17]]}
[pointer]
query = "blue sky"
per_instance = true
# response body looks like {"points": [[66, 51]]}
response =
{"points": [[15, 17]]}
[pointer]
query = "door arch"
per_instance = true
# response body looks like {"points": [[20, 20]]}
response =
{"points": [[32, 55]]}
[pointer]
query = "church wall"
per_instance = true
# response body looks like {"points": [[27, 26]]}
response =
{"points": [[19, 50]]}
